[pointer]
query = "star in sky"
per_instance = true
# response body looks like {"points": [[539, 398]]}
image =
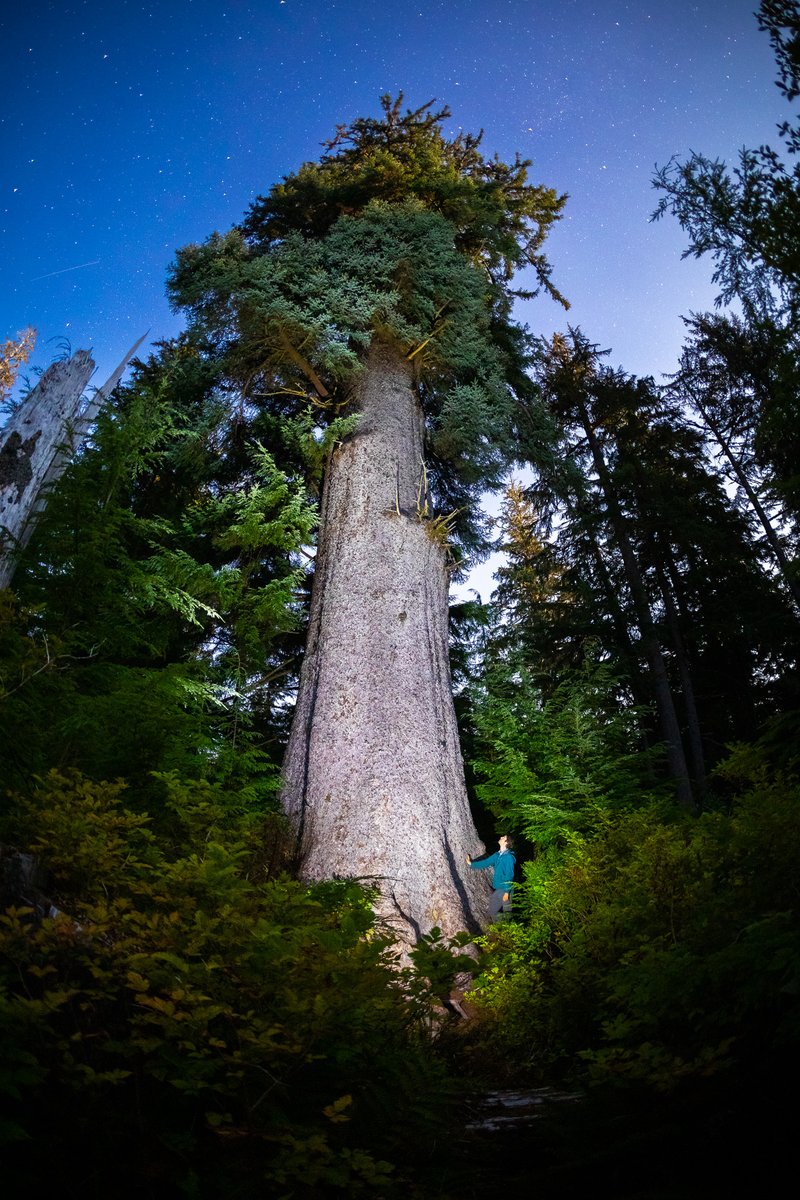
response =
{"points": [[131, 129]]}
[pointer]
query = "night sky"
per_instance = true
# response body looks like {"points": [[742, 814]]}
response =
{"points": [[129, 129]]}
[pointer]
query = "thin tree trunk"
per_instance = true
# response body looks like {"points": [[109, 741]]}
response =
{"points": [[626, 646], [373, 773], [670, 728], [758, 508], [694, 734]]}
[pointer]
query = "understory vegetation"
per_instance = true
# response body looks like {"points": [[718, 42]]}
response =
{"points": [[181, 1015]]}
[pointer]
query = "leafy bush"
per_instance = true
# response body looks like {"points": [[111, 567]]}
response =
{"points": [[191, 1020], [550, 766], [662, 948]]}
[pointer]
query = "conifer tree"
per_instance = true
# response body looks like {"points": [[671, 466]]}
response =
{"points": [[151, 625], [745, 217], [374, 286], [658, 571]]}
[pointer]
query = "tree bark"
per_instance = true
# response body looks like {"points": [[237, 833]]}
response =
{"points": [[373, 774], [38, 442], [32, 440]]}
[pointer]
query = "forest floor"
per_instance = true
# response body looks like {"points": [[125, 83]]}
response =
{"points": [[554, 1143], [551, 1144]]}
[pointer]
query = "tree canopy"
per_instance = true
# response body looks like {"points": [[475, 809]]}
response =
{"points": [[400, 233]]}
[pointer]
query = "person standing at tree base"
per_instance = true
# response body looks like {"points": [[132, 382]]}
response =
{"points": [[504, 862]]}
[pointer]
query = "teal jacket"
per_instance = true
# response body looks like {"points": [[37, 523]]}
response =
{"points": [[504, 863]]}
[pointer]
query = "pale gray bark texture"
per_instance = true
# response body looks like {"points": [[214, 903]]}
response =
{"points": [[37, 443], [30, 442], [373, 774]]}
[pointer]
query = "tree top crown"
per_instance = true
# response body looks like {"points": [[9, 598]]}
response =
{"points": [[499, 219]]}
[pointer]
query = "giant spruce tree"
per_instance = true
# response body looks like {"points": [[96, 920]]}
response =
{"points": [[373, 288]]}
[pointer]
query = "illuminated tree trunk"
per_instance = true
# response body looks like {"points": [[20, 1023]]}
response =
{"points": [[37, 443], [31, 442], [373, 773]]}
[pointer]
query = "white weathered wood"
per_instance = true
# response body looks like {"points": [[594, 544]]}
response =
{"points": [[373, 773], [37, 443], [88, 414]]}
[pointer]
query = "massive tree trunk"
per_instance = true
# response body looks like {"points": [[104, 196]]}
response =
{"points": [[373, 774]]}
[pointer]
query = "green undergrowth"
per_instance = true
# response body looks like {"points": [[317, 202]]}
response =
{"points": [[179, 1016], [656, 950]]}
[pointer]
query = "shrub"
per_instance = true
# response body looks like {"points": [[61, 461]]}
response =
{"points": [[185, 1022]]}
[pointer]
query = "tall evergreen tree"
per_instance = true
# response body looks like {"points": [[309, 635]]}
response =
{"points": [[158, 595], [730, 377], [658, 569], [746, 219], [375, 285], [588, 399]]}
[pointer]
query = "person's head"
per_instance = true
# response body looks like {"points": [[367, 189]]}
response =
{"points": [[506, 842]]}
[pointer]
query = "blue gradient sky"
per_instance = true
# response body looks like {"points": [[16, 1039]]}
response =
{"points": [[129, 129]]}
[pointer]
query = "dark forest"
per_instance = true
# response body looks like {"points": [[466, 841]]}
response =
{"points": [[241, 951]]}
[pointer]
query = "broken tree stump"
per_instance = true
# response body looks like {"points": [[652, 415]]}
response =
{"points": [[39, 440]]}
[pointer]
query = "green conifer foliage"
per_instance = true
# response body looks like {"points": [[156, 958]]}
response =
{"points": [[154, 610], [745, 218], [397, 233]]}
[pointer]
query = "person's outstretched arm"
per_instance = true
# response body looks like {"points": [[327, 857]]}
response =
{"points": [[482, 861]]}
